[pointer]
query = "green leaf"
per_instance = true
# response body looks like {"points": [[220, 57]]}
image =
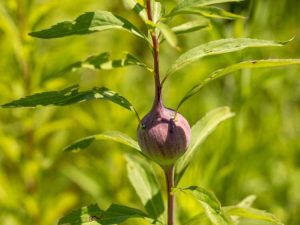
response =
{"points": [[103, 62], [219, 47], [190, 26], [109, 135], [87, 23], [117, 214], [251, 213], [93, 215], [235, 67], [168, 34], [199, 133], [194, 3], [137, 7], [211, 205], [144, 181], [88, 215], [210, 12], [247, 201], [157, 11], [68, 96]]}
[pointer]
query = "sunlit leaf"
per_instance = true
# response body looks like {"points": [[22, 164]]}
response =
{"points": [[251, 213], [87, 23], [211, 205], [168, 34], [88, 215], [117, 214], [144, 181], [136, 7], [68, 96], [210, 12], [93, 215], [157, 11], [219, 47], [194, 3], [235, 67], [190, 26], [247, 201], [103, 62], [200, 132], [109, 135]]}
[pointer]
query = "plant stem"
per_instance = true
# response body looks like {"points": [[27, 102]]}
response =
{"points": [[169, 172], [155, 43]]}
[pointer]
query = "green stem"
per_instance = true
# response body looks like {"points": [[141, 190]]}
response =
{"points": [[169, 172], [155, 43]]}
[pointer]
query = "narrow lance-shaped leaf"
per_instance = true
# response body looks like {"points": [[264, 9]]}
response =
{"points": [[235, 67], [190, 26], [168, 34], [103, 62], [87, 23], [210, 204], [251, 213], [157, 11], [193, 3], [117, 214], [109, 135], [144, 181], [68, 96], [199, 133], [210, 12], [93, 215], [137, 7], [219, 47], [88, 215]]}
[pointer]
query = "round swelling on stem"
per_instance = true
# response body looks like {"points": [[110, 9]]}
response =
{"points": [[162, 137]]}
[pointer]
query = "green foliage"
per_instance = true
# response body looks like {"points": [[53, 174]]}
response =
{"points": [[87, 23], [235, 67], [190, 26], [208, 12], [258, 154], [218, 47], [210, 204], [219, 215], [145, 183], [92, 215], [68, 96], [103, 62], [109, 135], [200, 132], [248, 212]]}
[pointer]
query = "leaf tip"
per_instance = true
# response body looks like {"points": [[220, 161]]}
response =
{"points": [[286, 42]]}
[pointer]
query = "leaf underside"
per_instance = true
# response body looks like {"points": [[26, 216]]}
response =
{"points": [[68, 96], [103, 62], [109, 135]]}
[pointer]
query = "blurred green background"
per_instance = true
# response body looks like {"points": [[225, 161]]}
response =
{"points": [[257, 152]]}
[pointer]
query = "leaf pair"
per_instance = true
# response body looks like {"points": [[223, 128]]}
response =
{"points": [[230, 215]]}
